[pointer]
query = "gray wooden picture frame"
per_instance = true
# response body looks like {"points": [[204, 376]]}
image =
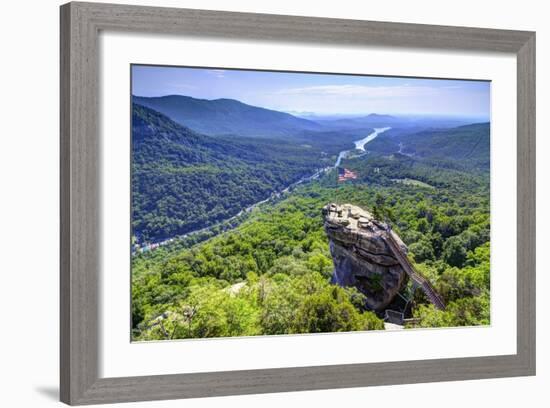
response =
{"points": [[80, 232]]}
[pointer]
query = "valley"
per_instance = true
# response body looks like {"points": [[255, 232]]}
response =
{"points": [[274, 195]]}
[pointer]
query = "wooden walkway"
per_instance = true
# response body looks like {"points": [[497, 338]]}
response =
{"points": [[417, 278]]}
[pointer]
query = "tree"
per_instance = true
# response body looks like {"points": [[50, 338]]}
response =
{"points": [[454, 251], [379, 209], [422, 251], [429, 316], [330, 311]]}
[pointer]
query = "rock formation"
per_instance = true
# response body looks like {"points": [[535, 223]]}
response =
{"points": [[362, 257]]}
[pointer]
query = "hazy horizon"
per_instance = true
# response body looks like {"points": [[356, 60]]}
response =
{"points": [[319, 95]]}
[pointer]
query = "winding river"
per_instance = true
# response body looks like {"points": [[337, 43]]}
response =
{"points": [[360, 144]]}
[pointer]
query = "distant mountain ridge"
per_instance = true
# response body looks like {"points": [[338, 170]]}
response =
{"points": [[227, 116], [411, 122], [371, 120], [224, 117]]}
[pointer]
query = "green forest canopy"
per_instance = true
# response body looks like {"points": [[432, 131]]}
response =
{"points": [[281, 260]]}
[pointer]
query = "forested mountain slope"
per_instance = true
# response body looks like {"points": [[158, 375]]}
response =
{"points": [[467, 145], [226, 116], [182, 180]]}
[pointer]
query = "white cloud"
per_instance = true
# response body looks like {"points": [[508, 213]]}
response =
{"points": [[218, 73], [361, 90]]}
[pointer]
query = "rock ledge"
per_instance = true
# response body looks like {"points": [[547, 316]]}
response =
{"points": [[361, 256]]}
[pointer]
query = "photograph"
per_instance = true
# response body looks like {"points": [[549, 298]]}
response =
{"points": [[292, 203]]}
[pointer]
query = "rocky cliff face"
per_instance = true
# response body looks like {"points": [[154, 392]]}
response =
{"points": [[361, 256]]}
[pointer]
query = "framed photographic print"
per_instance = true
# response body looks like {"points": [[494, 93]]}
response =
{"points": [[259, 203]]}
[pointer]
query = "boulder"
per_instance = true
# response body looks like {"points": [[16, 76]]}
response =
{"points": [[361, 255]]}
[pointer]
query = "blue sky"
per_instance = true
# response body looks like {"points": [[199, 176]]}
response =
{"points": [[322, 94]]}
